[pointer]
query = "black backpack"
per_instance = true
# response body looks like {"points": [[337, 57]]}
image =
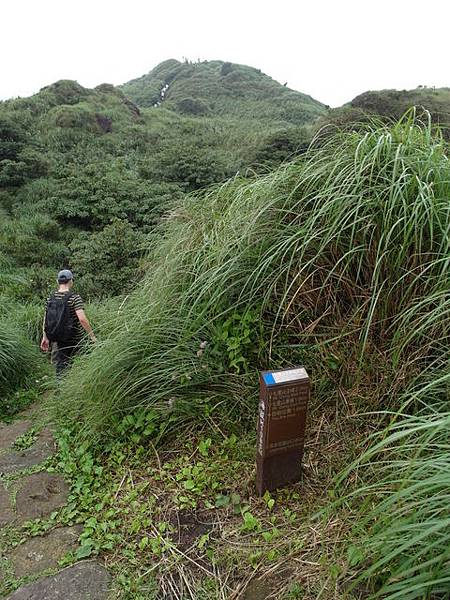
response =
{"points": [[59, 322]]}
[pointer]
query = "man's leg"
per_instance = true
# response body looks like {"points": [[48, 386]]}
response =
{"points": [[62, 357]]}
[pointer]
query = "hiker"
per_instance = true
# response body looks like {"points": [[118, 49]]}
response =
{"points": [[64, 322]]}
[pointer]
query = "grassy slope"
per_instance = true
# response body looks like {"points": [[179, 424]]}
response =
{"points": [[223, 89], [337, 261], [393, 104]]}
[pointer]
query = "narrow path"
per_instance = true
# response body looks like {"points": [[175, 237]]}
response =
{"points": [[28, 492], [162, 95]]}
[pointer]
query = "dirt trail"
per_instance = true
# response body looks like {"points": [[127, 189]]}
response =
{"points": [[27, 492]]}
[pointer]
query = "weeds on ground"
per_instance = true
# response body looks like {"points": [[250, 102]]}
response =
{"points": [[183, 520]]}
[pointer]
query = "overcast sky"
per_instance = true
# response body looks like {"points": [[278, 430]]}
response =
{"points": [[330, 49]]}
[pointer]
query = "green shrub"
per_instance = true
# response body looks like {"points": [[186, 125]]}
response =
{"points": [[283, 145], [106, 262], [191, 164], [191, 106], [77, 117], [64, 91], [12, 138], [20, 160], [90, 197], [34, 240]]}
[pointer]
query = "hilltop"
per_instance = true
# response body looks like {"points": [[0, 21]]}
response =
{"points": [[221, 88], [392, 104]]}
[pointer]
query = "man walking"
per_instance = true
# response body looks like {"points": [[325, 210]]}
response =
{"points": [[64, 322]]}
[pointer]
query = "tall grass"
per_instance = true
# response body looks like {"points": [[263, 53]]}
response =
{"points": [[402, 508], [18, 359], [351, 240]]}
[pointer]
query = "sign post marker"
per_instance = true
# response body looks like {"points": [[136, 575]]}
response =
{"points": [[283, 405]]}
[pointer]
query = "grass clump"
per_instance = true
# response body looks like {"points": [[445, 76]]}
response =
{"points": [[402, 508], [18, 361]]}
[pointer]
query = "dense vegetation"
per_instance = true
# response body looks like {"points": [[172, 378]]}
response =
{"points": [[74, 160], [337, 260]]}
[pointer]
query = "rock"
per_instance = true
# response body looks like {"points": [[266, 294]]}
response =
{"points": [[83, 581], [17, 460], [9, 433], [6, 511], [39, 495], [43, 552]]}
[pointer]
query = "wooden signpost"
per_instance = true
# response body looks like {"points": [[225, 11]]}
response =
{"points": [[283, 404]]}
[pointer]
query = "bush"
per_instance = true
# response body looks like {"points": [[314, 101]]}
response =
{"points": [[76, 117], [64, 91], [90, 197], [12, 138], [283, 145], [226, 68], [20, 161], [191, 164], [35, 240], [106, 262], [191, 106]]}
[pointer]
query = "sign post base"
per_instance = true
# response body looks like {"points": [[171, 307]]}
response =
{"points": [[276, 471]]}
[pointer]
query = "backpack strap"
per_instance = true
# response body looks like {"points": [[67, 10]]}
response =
{"points": [[68, 296]]}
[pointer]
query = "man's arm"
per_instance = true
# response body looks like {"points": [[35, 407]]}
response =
{"points": [[45, 344], [85, 324]]}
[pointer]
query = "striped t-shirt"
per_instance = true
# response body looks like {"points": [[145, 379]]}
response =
{"points": [[75, 303]]}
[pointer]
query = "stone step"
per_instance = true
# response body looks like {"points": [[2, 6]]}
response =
{"points": [[87, 580], [43, 552], [17, 460], [37, 496], [9, 433]]}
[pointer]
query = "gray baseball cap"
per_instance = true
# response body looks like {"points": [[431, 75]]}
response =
{"points": [[64, 276]]}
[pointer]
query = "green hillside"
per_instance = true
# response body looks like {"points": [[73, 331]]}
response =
{"points": [[221, 88], [78, 165], [392, 104]]}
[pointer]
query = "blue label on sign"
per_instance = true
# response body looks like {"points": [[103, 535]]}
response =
{"points": [[268, 379]]}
